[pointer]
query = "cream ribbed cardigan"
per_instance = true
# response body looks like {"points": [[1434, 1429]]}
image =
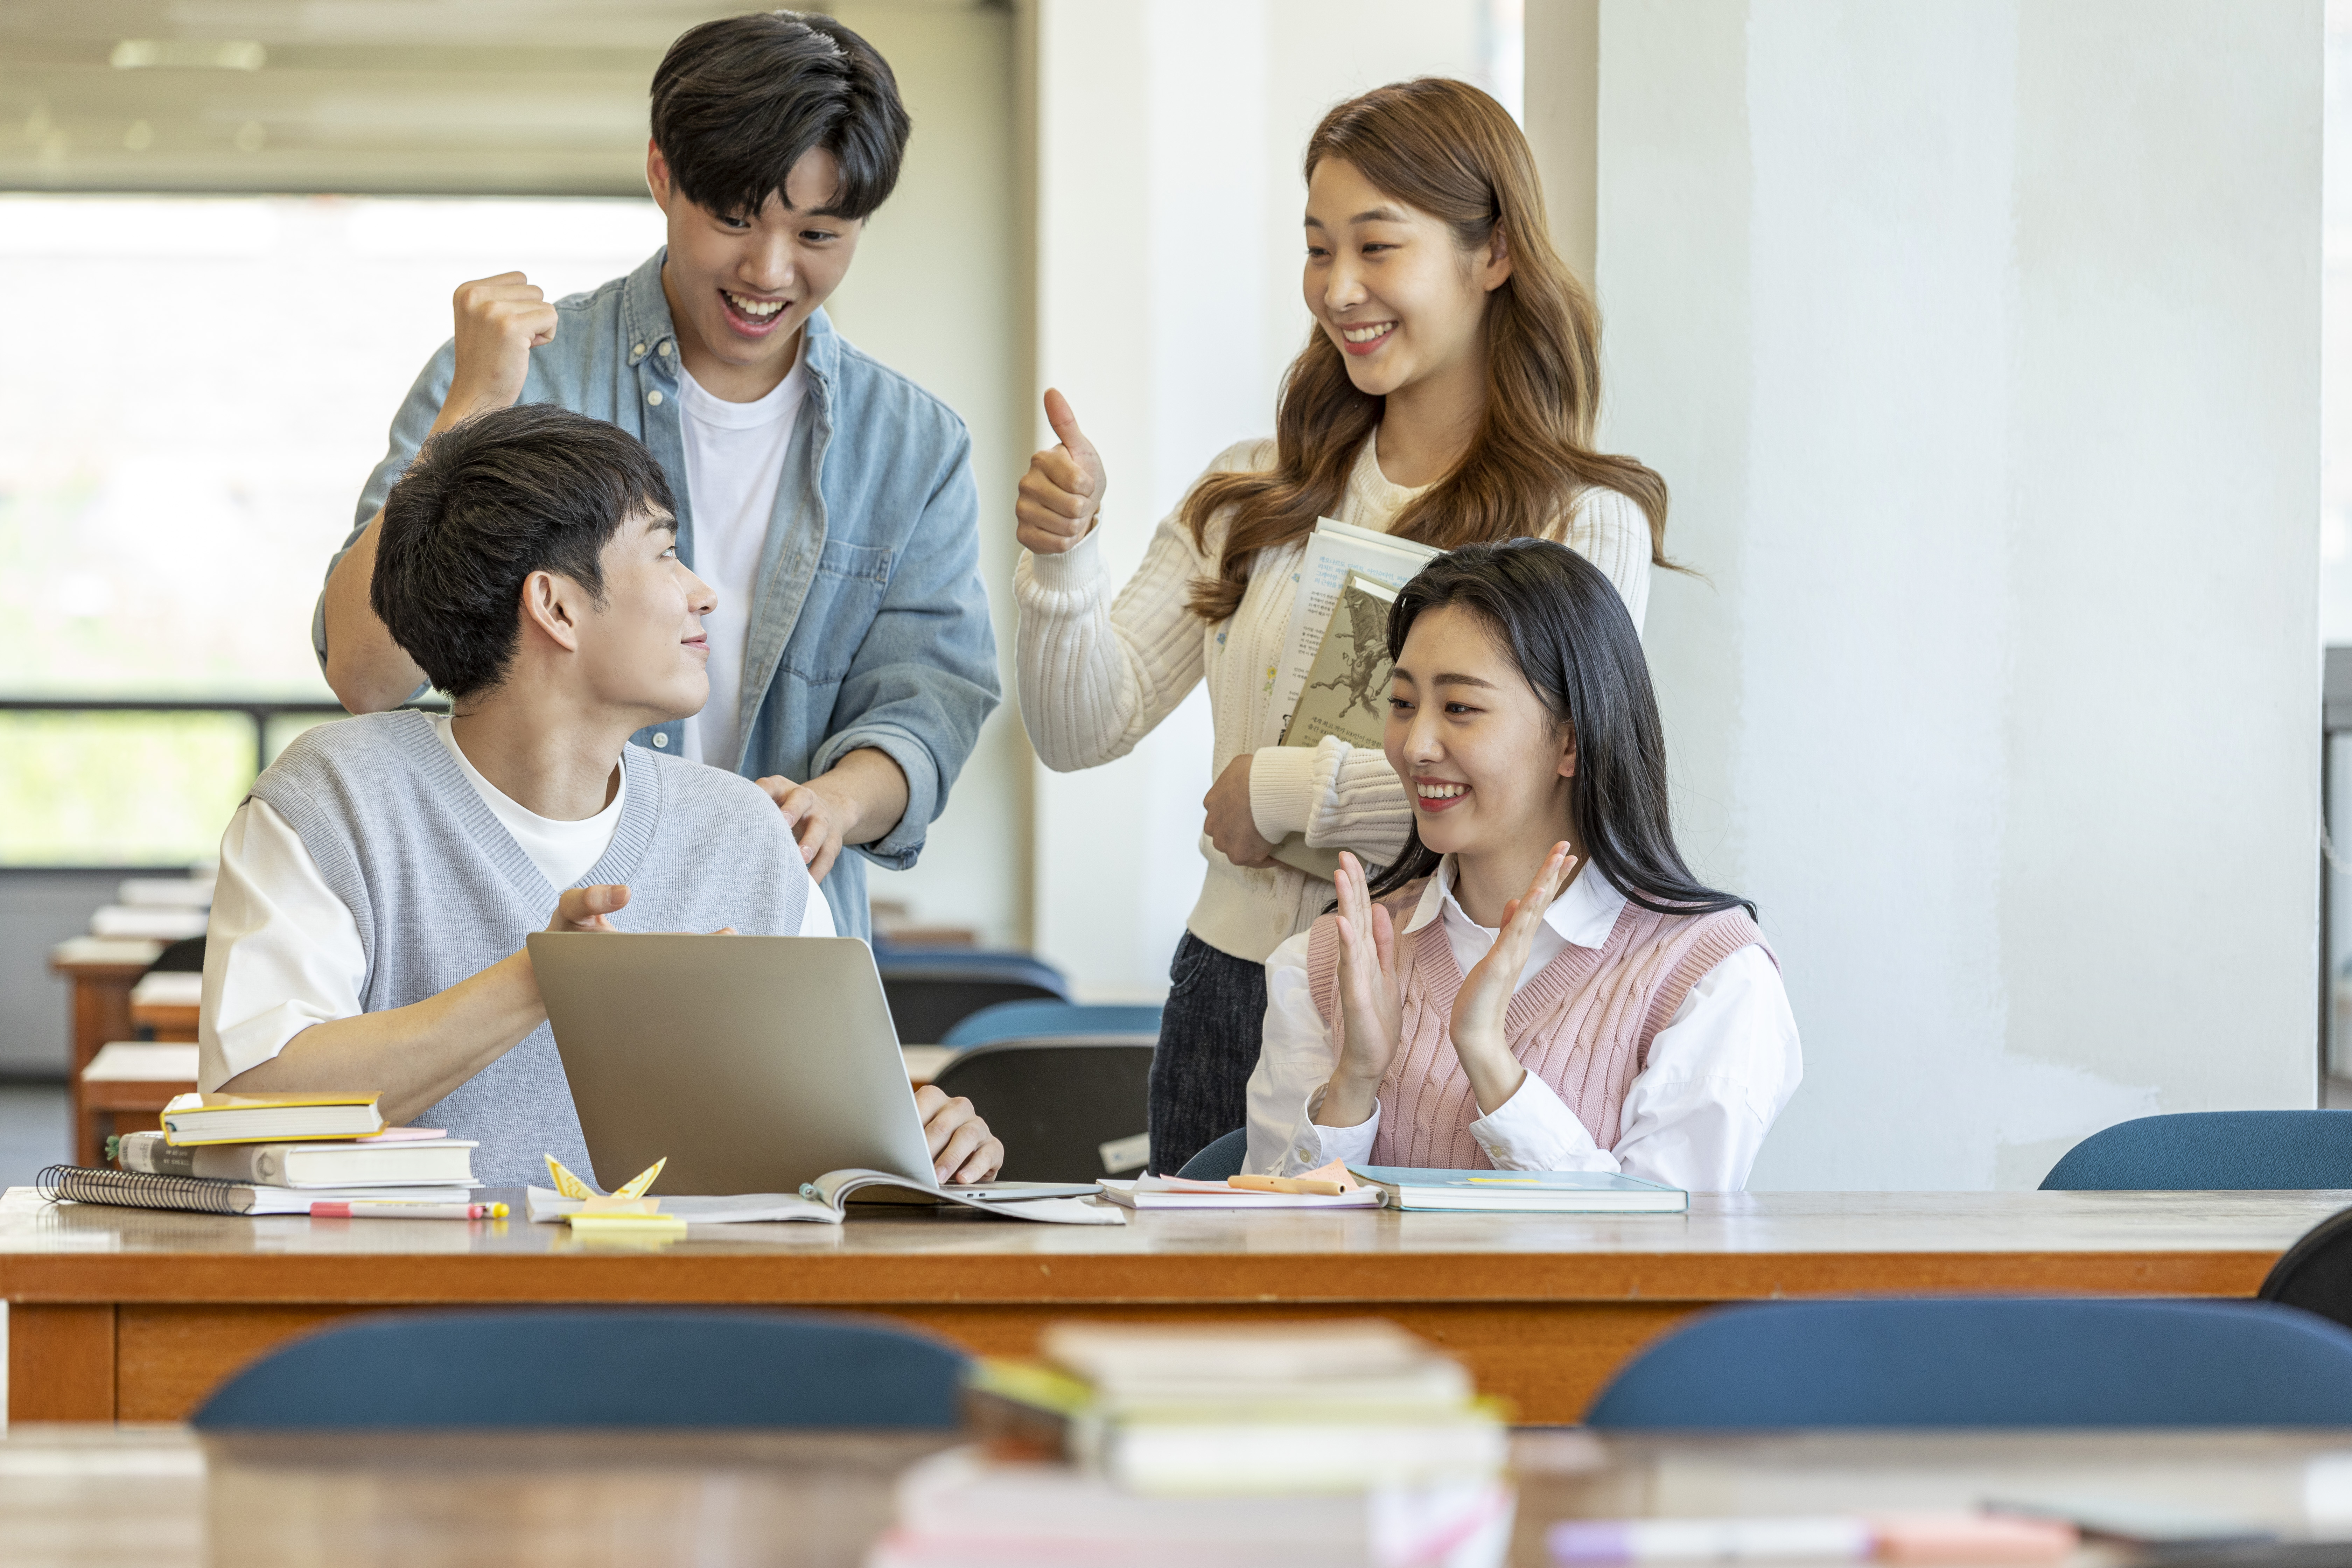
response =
{"points": [[1097, 674]]}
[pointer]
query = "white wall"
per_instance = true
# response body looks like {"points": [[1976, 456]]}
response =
{"points": [[1170, 134], [1980, 343]]}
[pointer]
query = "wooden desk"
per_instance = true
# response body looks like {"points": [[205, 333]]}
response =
{"points": [[134, 1315], [163, 1006], [125, 1089], [97, 1497], [102, 969]]}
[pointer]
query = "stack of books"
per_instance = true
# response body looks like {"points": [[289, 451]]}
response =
{"points": [[1291, 1445], [325, 1156]]}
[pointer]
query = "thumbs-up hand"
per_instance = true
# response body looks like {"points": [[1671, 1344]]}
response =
{"points": [[1062, 489]]}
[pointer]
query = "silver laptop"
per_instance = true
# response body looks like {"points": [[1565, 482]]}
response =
{"points": [[751, 1063]]}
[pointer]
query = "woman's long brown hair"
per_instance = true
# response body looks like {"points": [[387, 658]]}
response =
{"points": [[1448, 148]]}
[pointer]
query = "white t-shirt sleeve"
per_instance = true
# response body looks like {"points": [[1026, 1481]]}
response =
{"points": [[281, 951]]}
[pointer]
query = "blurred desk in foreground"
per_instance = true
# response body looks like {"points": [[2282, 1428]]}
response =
{"points": [[99, 1497], [134, 1315]]}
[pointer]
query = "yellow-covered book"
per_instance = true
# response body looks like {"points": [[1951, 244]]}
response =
{"points": [[269, 1118]]}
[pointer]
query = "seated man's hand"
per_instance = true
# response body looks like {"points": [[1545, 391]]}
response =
{"points": [[584, 909], [963, 1149]]}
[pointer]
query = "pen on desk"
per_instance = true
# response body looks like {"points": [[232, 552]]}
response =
{"points": [[393, 1208]]}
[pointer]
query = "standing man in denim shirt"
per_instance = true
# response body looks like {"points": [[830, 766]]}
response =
{"points": [[827, 498]]}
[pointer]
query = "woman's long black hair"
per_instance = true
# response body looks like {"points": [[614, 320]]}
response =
{"points": [[1570, 633]]}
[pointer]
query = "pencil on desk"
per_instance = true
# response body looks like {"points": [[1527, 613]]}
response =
{"points": [[393, 1208]]}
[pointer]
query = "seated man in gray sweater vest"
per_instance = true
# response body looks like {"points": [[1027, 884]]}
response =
{"points": [[376, 888]]}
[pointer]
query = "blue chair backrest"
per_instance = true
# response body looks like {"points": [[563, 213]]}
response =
{"points": [[1043, 1020], [589, 1366], [2212, 1151], [928, 998], [1220, 1159], [1989, 1363], [966, 959]]}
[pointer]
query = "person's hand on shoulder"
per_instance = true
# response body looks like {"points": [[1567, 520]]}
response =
{"points": [[815, 822], [962, 1148], [1061, 495], [500, 321]]}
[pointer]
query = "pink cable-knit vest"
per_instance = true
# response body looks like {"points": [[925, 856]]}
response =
{"points": [[1583, 1022]]}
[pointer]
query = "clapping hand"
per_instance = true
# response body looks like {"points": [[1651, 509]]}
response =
{"points": [[1371, 1000], [1477, 1027]]}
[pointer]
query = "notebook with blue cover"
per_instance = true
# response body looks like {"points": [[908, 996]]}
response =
{"points": [[1522, 1191]]}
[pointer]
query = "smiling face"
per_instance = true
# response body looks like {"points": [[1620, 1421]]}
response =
{"points": [[1486, 764], [740, 285], [1390, 286], [642, 650]]}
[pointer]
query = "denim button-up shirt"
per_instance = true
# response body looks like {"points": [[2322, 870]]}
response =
{"points": [[871, 623]]}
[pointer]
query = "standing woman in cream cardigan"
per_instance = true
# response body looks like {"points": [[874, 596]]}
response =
{"points": [[1446, 395]]}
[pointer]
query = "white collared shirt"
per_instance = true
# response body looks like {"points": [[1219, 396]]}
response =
{"points": [[282, 951], [1718, 1073]]}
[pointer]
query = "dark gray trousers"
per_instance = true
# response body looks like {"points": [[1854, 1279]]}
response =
{"points": [[1207, 1048]]}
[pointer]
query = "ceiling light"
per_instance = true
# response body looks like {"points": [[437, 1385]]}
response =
{"points": [[175, 54]]}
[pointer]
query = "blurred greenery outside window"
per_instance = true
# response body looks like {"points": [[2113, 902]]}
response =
{"points": [[128, 788], [173, 482]]}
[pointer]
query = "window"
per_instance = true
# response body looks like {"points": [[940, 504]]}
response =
{"points": [[202, 385]]}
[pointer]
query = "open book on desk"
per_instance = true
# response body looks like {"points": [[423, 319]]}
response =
{"points": [[825, 1201]]}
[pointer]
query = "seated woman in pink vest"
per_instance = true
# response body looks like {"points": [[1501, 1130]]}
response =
{"points": [[1538, 984]]}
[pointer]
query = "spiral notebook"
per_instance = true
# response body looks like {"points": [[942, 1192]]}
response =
{"points": [[202, 1194]]}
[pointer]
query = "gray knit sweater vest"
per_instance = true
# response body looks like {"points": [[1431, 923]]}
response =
{"points": [[440, 892]]}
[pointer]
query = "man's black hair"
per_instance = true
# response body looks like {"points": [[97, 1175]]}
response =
{"points": [[737, 102], [485, 504]]}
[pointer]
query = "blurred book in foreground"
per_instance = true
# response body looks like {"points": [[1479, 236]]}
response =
{"points": [[964, 1510], [1291, 1410]]}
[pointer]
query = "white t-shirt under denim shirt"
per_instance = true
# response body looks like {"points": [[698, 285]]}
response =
{"points": [[734, 461], [282, 951]]}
